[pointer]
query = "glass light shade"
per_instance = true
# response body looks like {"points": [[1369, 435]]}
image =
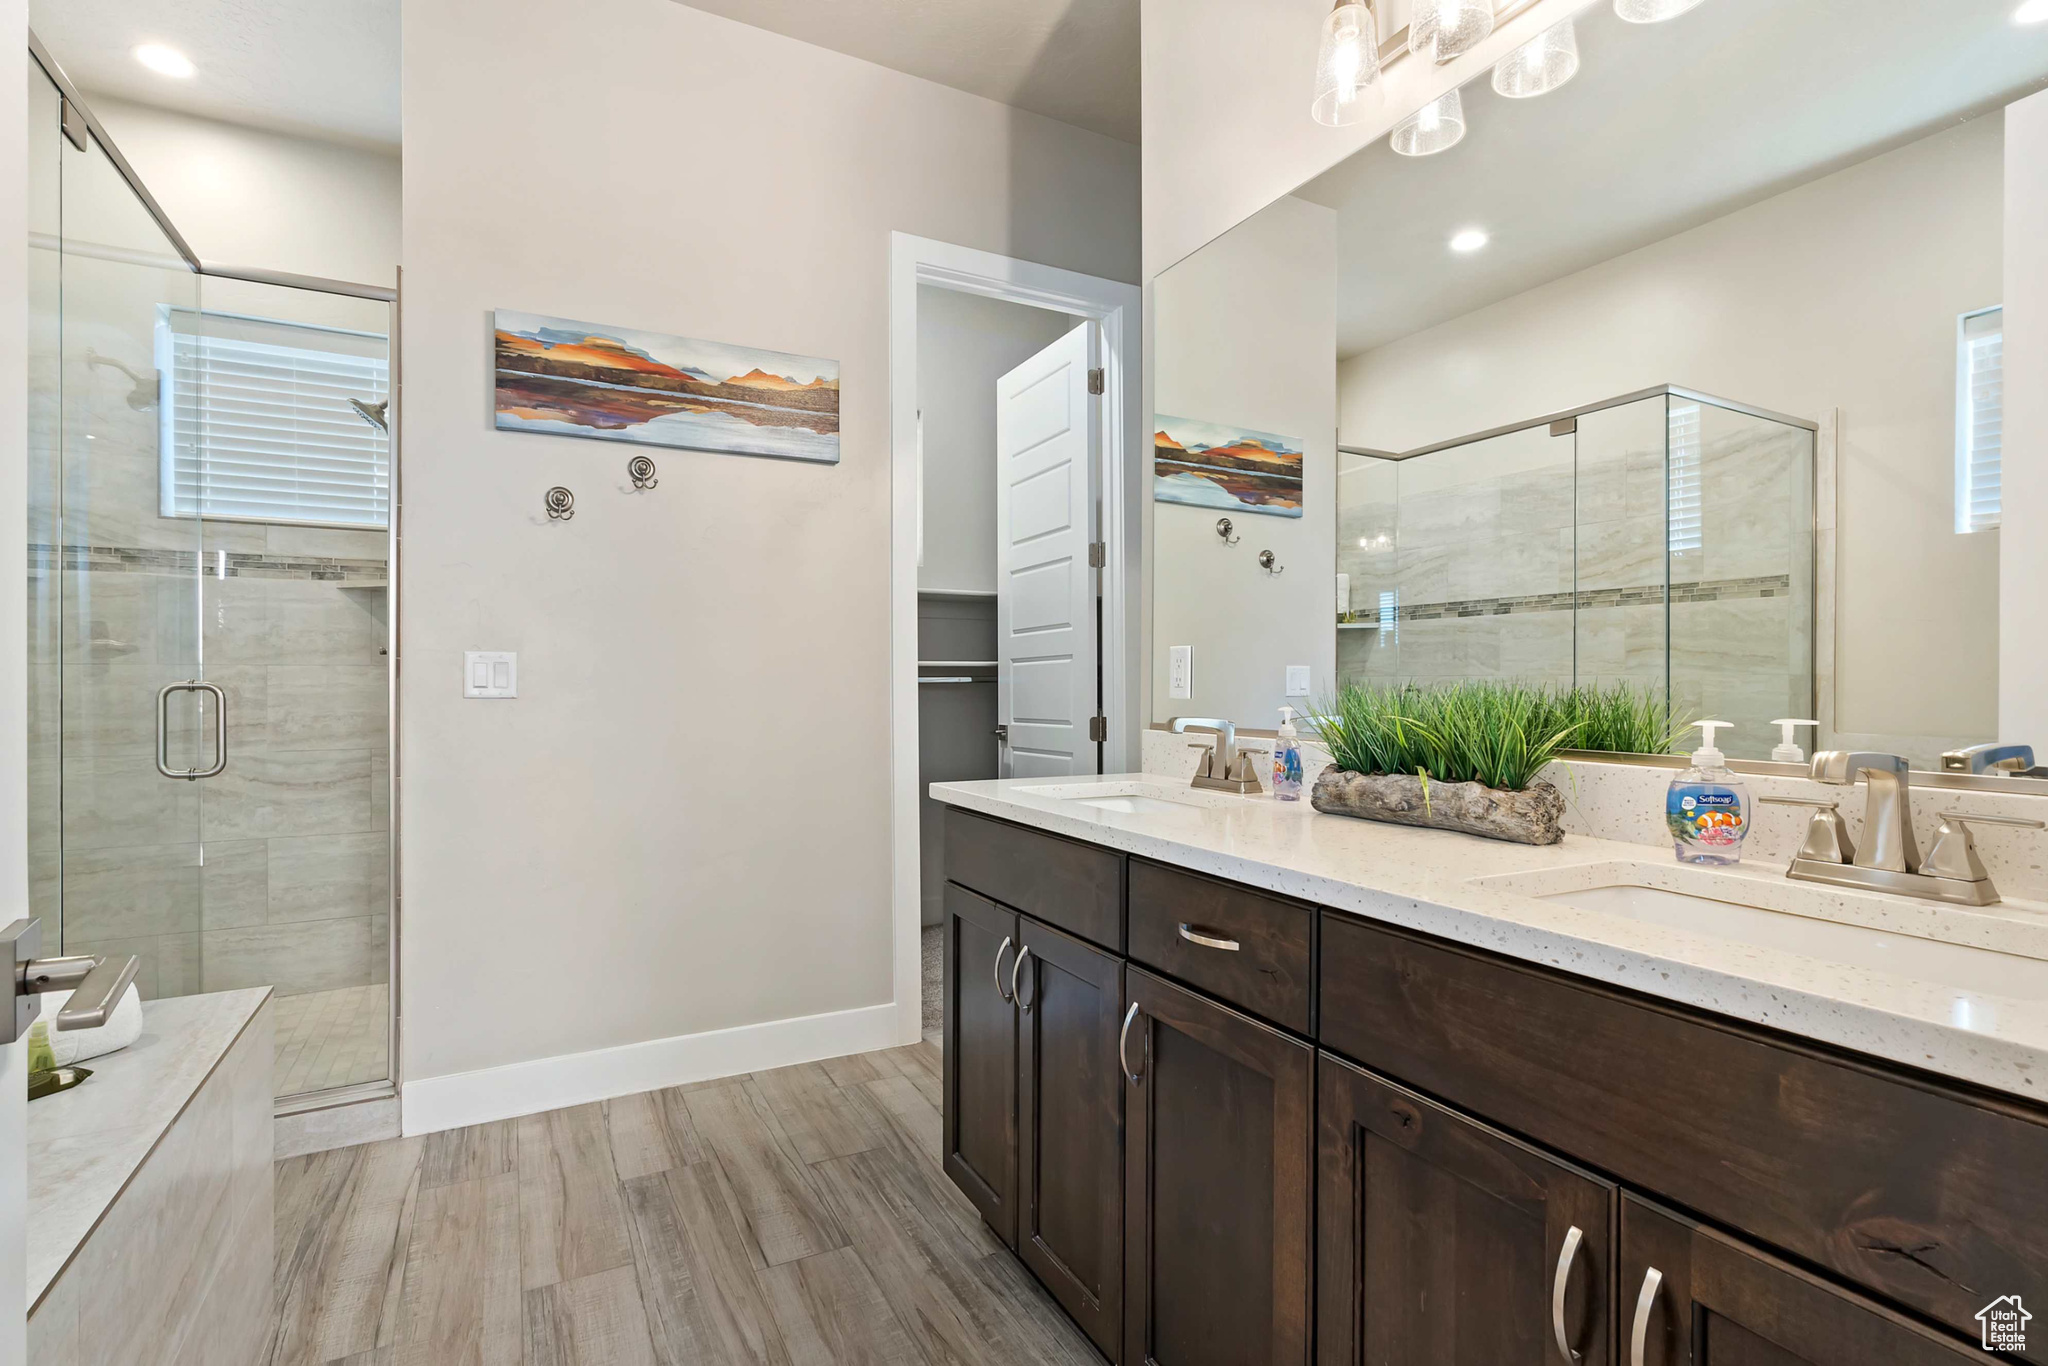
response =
{"points": [[1652, 11], [1347, 67], [1438, 126], [1441, 29], [1540, 65]]}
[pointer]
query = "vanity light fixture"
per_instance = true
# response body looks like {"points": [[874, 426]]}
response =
{"points": [[165, 61], [1347, 66], [1436, 127], [1441, 29], [2032, 12], [1471, 239], [1540, 65], [1652, 11]]}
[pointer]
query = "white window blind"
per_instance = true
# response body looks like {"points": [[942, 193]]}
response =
{"points": [[257, 422], [1687, 493], [1980, 418]]}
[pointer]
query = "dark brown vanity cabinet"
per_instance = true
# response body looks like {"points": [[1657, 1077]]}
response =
{"points": [[980, 1057], [1218, 1183], [1441, 1240], [1033, 1093], [1225, 1127], [1691, 1296]]}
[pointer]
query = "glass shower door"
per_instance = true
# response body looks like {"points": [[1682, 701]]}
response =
{"points": [[121, 584]]}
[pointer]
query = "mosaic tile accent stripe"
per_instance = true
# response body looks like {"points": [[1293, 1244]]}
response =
{"points": [[231, 564], [1651, 595]]}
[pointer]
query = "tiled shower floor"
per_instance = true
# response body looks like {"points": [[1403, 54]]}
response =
{"points": [[332, 1038]]}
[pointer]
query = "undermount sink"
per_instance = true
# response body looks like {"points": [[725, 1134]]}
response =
{"points": [[1149, 799], [1710, 908]]}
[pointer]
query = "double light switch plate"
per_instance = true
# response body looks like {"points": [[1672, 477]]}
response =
{"points": [[490, 674]]}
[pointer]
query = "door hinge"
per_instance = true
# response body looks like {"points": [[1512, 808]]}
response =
{"points": [[71, 119], [1098, 555], [1098, 728], [1095, 381]]}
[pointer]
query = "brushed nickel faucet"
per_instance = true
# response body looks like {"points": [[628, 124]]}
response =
{"points": [[1227, 768], [1889, 858], [2017, 760]]}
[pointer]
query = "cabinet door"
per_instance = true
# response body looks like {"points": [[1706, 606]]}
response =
{"points": [[1218, 1163], [981, 1057], [1071, 1114], [1441, 1240], [1694, 1297]]}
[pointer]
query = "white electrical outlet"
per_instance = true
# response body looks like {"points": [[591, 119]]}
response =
{"points": [[1297, 680], [490, 674], [1180, 672]]}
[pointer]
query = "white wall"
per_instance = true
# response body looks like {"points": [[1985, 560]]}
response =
{"points": [[14, 73], [965, 343], [2023, 550], [1842, 293], [246, 197], [583, 867], [1226, 98], [1246, 337]]}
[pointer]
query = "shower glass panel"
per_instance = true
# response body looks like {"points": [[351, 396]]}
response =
{"points": [[1664, 541], [208, 503]]}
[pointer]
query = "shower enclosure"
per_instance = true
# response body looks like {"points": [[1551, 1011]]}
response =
{"points": [[209, 577], [1664, 537]]}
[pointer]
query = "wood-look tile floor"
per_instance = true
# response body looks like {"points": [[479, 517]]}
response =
{"points": [[789, 1218]]}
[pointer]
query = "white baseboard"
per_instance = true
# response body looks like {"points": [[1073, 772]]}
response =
{"points": [[525, 1088]]}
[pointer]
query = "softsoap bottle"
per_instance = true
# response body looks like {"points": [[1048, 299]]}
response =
{"points": [[1706, 807], [1287, 759]]}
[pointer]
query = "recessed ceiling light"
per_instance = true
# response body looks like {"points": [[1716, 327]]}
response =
{"points": [[1472, 239], [164, 61], [2032, 12]]}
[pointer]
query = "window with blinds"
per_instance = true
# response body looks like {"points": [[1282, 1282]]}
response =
{"points": [[257, 424], [1980, 418], [1687, 493]]}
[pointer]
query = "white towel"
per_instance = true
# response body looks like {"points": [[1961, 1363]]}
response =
{"points": [[68, 1046]]}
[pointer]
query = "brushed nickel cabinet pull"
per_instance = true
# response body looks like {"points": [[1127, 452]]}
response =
{"points": [[1653, 1281], [1017, 966], [1123, 1045], [1565, 1257], [1001, 991], [1207, 939]]}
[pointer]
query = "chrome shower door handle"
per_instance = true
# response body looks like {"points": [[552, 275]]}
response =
{"points": [[163, 730], [1639, 1335], [1567, 1255]]}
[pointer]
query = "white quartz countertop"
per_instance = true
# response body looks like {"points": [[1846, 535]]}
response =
{"points": [[86, 1144], [1927, 1009]]}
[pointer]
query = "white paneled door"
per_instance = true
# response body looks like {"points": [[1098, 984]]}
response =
{"points": [[1048, 449]]}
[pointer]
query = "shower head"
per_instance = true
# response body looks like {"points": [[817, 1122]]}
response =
{"points": [[142, 394], [372, 413]]}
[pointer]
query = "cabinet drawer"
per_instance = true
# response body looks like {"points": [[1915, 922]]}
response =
{"points": [[1253, 951], [1930, 1195], [1074, 887]]}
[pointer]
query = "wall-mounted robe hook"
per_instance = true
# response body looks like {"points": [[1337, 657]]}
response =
{"points": [[560, 503], [641, 471], [1266, 562], [1224, 528]]}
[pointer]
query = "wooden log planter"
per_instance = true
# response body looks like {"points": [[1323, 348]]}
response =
{"points": [[1534, 815]]}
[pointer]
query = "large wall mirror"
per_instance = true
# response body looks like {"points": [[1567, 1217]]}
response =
{"points": [[1684, 373]]}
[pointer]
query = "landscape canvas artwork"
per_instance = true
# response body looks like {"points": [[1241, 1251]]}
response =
{"points": [[618, 384], [1204, 465]]}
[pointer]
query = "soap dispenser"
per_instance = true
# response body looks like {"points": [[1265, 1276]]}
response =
{"points": [[1787, 750], [1706, 807], [1287, 759]]}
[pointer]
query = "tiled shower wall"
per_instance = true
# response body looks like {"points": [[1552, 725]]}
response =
{"points": [[1544, 559]]}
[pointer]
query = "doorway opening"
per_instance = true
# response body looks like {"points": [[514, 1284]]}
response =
{"points": [[1015, 413]]}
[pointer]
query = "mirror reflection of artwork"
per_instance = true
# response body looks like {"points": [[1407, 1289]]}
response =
{"points": [[1204, 465], [618, 384]]}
